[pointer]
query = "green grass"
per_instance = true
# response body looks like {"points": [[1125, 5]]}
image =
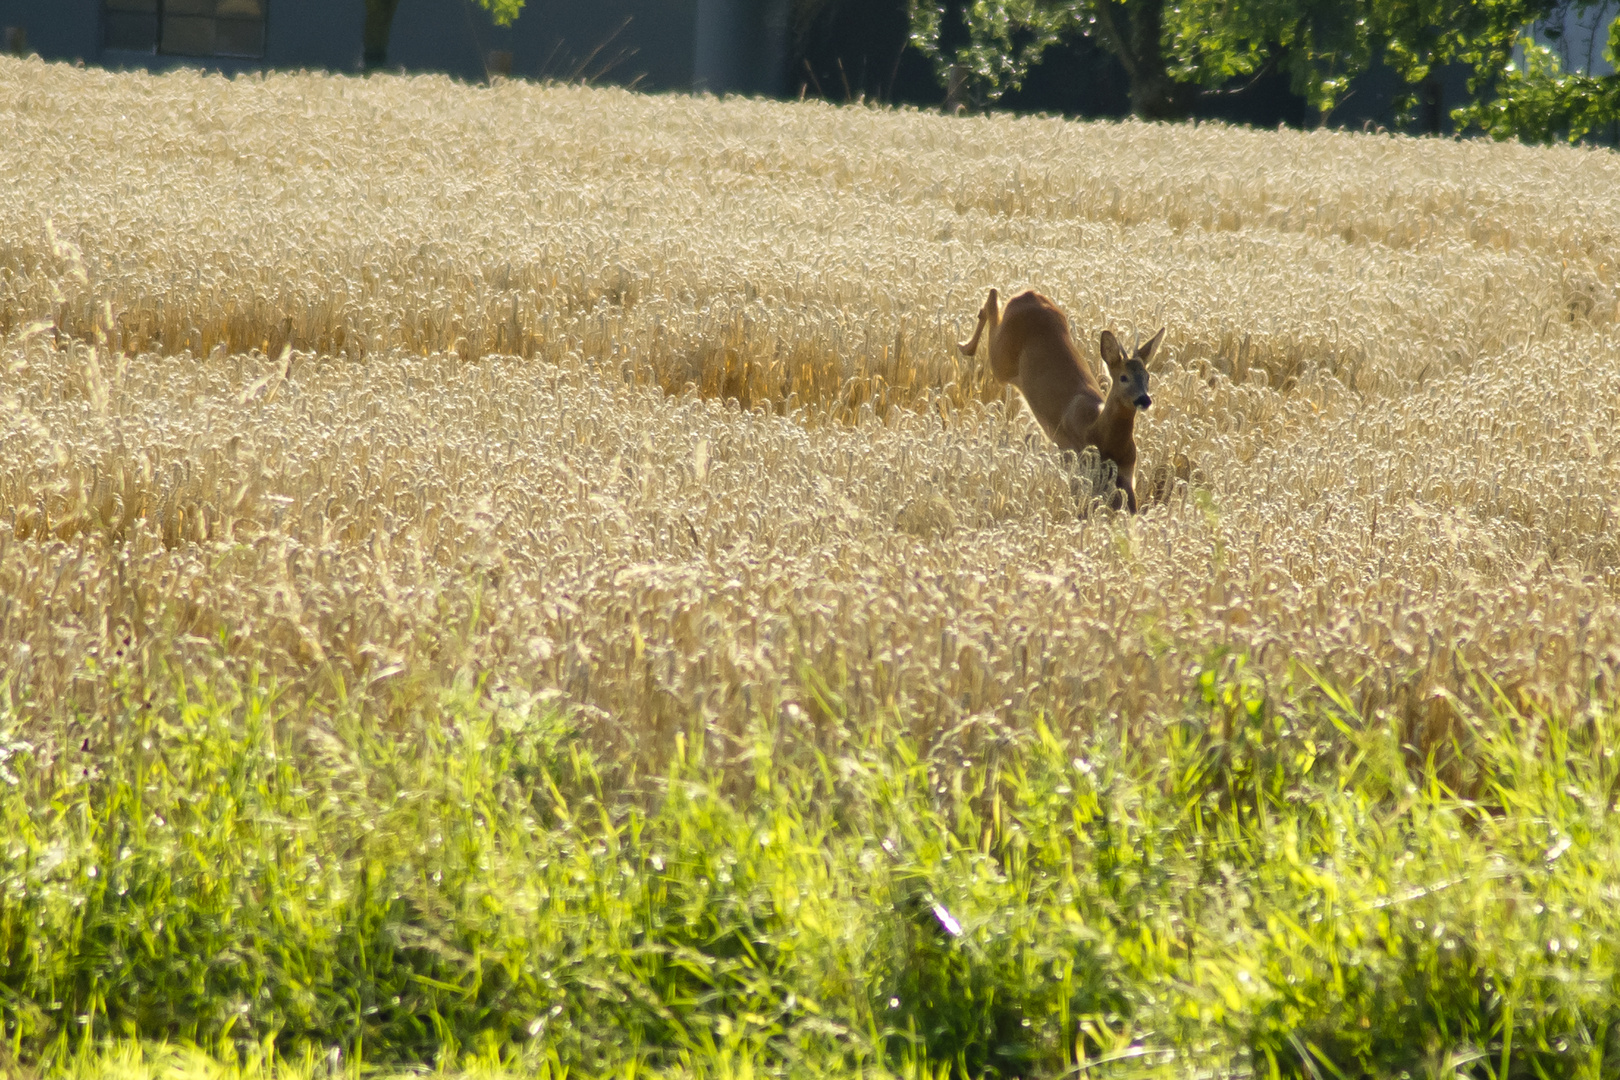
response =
{"points": [[207, 876]]}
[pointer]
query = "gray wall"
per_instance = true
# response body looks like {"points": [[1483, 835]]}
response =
{"points": [[318, 34], [556, 39]]}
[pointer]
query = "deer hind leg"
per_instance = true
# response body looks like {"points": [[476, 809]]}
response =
{"points": [[971, 345], [1004, 361], [989, 314]]}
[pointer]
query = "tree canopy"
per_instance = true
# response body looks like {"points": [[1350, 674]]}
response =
{"points": [[1174, 51], [1540, 102]]}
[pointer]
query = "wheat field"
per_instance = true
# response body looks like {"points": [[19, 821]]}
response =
{"points": [[518, 579], [648, 405]]}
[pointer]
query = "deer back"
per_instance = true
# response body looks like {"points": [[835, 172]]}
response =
{"points": [[1034, 336]]}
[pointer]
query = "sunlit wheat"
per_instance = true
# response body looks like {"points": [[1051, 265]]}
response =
{"points": [[651, 401]]}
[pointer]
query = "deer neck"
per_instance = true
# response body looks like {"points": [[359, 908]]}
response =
{"points": [[1118, 419]]}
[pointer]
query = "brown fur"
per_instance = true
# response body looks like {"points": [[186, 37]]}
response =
{"points": [[1030, 345]]}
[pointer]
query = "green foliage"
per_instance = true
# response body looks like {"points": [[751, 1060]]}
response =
{"points": [[1005, 40], [1418, 36], [502, 11], [1539, 102], [1194, 43], [1271, 884], [1319, 45], [1208, 43]]}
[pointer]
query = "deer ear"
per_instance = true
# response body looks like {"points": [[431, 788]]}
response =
{"points": [[1112, 354], [1145, 353]]}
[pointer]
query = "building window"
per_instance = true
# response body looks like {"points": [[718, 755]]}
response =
{"points": [[185, 27]]}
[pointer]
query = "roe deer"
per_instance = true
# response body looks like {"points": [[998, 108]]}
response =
{"points": [[1030, 345]]}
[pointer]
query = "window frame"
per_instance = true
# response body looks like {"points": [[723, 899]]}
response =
{"points": [[159, 16]]}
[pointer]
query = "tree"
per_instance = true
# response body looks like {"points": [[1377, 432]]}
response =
{"points": [[1174, 52], [380, 16], [1537, 101]]}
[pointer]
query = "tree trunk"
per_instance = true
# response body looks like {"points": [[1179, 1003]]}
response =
{"points": [[379, 18], [1135, 40]]}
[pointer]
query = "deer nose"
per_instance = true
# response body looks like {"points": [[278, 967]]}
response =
{"points": [[1143, 402]]}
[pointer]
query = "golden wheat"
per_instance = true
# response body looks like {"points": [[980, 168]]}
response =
{"points": [[650, 402]]}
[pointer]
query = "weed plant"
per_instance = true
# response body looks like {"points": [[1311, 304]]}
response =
{"points": [[1275, 887]]}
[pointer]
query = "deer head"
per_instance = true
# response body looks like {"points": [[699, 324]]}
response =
{"points": [[1129, 374]]}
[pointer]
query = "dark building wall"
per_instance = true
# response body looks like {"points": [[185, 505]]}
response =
{"points": [[323, 34], [57, 29], [740, 47], [648, 43], [327, 34]]}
